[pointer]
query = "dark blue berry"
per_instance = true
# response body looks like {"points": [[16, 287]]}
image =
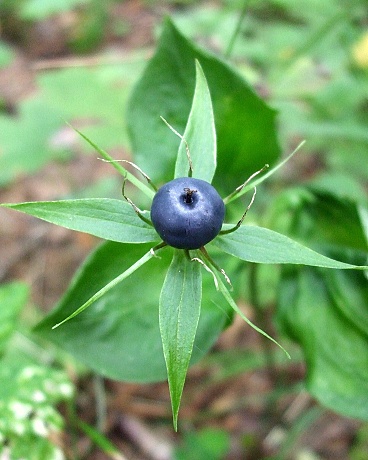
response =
{"points": [[187, 213]]}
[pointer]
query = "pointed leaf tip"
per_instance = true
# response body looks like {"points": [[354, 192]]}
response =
{"points": [[179, 311], [197, 150]]}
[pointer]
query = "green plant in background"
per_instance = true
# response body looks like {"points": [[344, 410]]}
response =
{"points": [[34, 133], [86, 31], [119, 336], [208, 443], [311, 63], [35, 10], [30, 425], [40, 118]]}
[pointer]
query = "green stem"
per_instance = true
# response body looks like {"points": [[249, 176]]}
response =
{"points": [[270, 415], [101, 405], [260, 319], [236, 32], [73, 422]]}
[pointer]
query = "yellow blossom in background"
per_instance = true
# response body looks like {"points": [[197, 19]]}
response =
{"points": [[360, 52]]}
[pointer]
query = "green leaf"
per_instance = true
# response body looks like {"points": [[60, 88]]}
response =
{"points": [[261, 245], [199, 134], [106, 218], [319, 219], [349, 294], [180, 306], [245, 125], [340, 185], [13, 297], [118, 335], [334, 221], [314, 310]]}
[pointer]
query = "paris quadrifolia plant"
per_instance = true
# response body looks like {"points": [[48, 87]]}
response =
{"points": [[187, 214]]}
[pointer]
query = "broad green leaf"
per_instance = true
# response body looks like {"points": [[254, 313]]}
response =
{"points": [[335, 221], [341, 185], [13, 297], [106, 218], [118, 335], [314, 312], [349, 294], [261, 245], [200, 135], [180, 306], [320, 219], [245, 125]]}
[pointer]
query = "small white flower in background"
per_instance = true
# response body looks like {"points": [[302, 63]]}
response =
{"points": [[20, 410], [39, 427], [38, 396]]}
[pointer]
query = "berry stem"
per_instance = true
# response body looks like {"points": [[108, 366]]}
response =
{"points": [[214, 264], [225, 232], [136, 209], [190, 172]]}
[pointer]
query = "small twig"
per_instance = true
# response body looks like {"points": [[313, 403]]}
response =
{"points": [[150, 444], [90, 61]]}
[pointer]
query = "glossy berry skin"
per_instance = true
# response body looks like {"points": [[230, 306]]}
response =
{"points": [[187, 213]]}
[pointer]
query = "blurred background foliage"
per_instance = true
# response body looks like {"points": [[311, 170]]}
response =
{"points": [[78, 61]]}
